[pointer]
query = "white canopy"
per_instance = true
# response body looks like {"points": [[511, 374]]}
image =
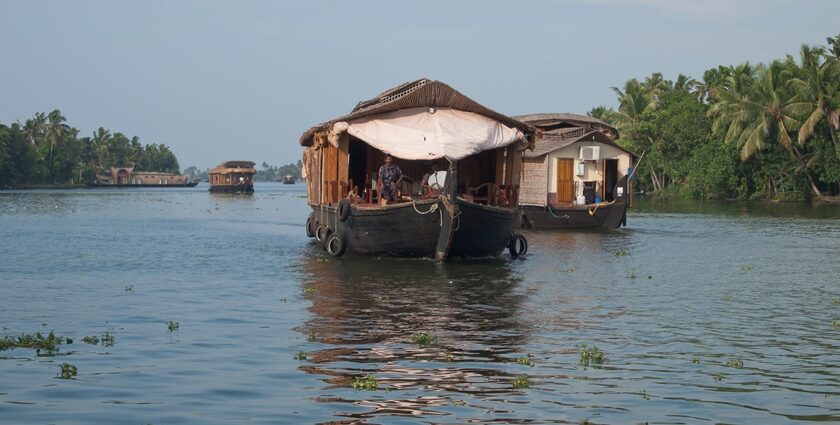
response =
{"points": [[429, 133]]}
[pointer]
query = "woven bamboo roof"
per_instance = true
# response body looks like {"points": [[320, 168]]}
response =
{"points": [[414, 94], [550, 142], [549, 123]]}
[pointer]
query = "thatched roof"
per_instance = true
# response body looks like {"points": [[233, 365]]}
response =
{"points": [[550, 123], [550, 142], [236, 164], [414, 94]]}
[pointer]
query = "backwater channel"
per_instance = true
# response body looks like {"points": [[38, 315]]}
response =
{"points": [[706, 313]]}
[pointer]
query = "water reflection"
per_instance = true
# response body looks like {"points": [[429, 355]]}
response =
{"points": [[367, 312]]}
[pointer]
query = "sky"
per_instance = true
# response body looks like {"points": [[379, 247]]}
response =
{"points": [[221, 80]]}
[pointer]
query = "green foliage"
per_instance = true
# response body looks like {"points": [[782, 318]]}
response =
{"points": [[173, 326], [591, 356], [36, 341], [367, 383], [45, 150], [68, 371], [520, 382], [301, 355], [272, 173], [744, 131], [526, 360], [424, 339], [736, 363]]}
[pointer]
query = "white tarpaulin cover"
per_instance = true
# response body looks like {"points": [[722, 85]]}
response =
{"points": [[425, 133]]}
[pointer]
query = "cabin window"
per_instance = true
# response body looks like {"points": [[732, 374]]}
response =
{"points": [[160, 181], [165, 181]]}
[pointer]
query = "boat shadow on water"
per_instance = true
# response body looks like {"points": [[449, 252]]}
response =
{"points": [[414, 324]]}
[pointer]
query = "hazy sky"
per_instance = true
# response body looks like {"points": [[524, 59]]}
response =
{"points": [[218, 80]]}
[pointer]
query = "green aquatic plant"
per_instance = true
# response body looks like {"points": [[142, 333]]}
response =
{"points": [[68, 371], [367, 383], [525, 360], [38, 342], [746, 267], [424, 339], [585, 422], [621, 253], [695, 360], [644, 395], [301, 355], [736, 363], [173, 326], [836, 323], [835, 301], [129, 288], [591, 356], [450, 358], [108, 339], [307, 289], [632, 274], [717, 377], [520, 382], [92, 340]]}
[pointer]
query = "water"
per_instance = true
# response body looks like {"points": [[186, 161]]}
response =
{"points": [[702, 285]]}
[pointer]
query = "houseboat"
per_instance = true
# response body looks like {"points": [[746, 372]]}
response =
{"points": [[288, 179], [577, 176], [129, 177], [232, 177], [457, 189]]}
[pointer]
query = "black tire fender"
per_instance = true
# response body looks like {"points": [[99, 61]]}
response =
{"points": [[335, 245], [518, 245], [311, 226], [325, 236], [322, 232], [343, 210]]}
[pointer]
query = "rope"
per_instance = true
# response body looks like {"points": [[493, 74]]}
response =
{"points": [[592, 211], [563, 217], [432, 209]]}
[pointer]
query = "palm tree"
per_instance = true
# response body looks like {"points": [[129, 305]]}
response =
{"points": [[634, 100], [753, 112], [55, 132], [819, 91]]}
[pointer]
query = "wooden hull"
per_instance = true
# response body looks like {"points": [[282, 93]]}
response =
{"points": [[413, 229], [237, 188], [99, 185], [606, 215], [395, 230], [482, 231]]}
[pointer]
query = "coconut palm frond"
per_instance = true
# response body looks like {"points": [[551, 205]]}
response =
{"points": [[806, 130]]}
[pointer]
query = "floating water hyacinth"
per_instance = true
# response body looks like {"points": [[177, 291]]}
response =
{"points": [[591, 356], [366, 383], [68, 371], [520, 382]]}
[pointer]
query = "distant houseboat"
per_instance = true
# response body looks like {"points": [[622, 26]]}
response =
{"points": [[577, 176], [128, 177], [460, 166], [288, 179], [232, 177]]}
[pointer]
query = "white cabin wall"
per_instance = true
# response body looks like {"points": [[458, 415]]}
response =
{"points": [[592, 169]]}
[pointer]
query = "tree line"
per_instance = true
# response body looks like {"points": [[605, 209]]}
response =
{"points": [[268, 173], [742, 132], [46, 150]]}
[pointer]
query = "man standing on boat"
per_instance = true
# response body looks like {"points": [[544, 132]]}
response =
{"points": [[389, 175]]}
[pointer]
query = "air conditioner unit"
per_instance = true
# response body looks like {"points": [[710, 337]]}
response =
{"points": [[590, 153]]}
